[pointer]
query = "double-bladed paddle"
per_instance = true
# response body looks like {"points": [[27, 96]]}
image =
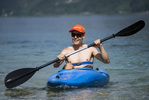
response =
{"points": [[18, 77]]}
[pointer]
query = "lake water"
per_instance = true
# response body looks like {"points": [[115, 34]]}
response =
{"points": [[31, 42]]}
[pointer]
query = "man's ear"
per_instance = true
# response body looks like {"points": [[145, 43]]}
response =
{"points": [[83, 36]]}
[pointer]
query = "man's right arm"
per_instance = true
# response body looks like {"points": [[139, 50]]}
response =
{"points": [[61, 57], [58, 63]]}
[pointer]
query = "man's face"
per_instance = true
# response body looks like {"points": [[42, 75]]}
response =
{"points": [[77, 37]]}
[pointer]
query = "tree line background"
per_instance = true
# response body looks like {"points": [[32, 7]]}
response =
{"points": [[71, 7]]}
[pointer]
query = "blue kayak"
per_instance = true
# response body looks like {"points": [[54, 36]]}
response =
{"points": [[82, 77]]}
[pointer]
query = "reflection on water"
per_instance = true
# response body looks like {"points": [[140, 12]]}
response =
{"points": [[22, 93], [77, 94]]}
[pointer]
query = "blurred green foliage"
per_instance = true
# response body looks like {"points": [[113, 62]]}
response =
{"points": [[73, 7]]}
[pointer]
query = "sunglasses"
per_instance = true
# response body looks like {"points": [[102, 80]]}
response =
{"points": [[76, 34]]}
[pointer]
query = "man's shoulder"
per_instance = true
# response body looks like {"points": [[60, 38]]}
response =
{"points": [[68, 49], [93, 49]]}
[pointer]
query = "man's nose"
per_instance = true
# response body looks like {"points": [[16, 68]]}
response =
{"points": [[76, 36]]}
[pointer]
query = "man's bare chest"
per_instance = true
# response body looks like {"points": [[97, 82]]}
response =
{"points": [[83, 56]]}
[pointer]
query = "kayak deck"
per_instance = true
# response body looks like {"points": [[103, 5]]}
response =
{"points": [[82, 77]]}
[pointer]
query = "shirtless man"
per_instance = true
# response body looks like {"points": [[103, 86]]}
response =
{"points": [[82, 59]]}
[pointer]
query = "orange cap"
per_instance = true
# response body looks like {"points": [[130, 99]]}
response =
{"points": [[78, 28]]}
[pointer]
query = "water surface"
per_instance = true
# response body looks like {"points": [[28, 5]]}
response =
{"points": [[31, 42]]}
